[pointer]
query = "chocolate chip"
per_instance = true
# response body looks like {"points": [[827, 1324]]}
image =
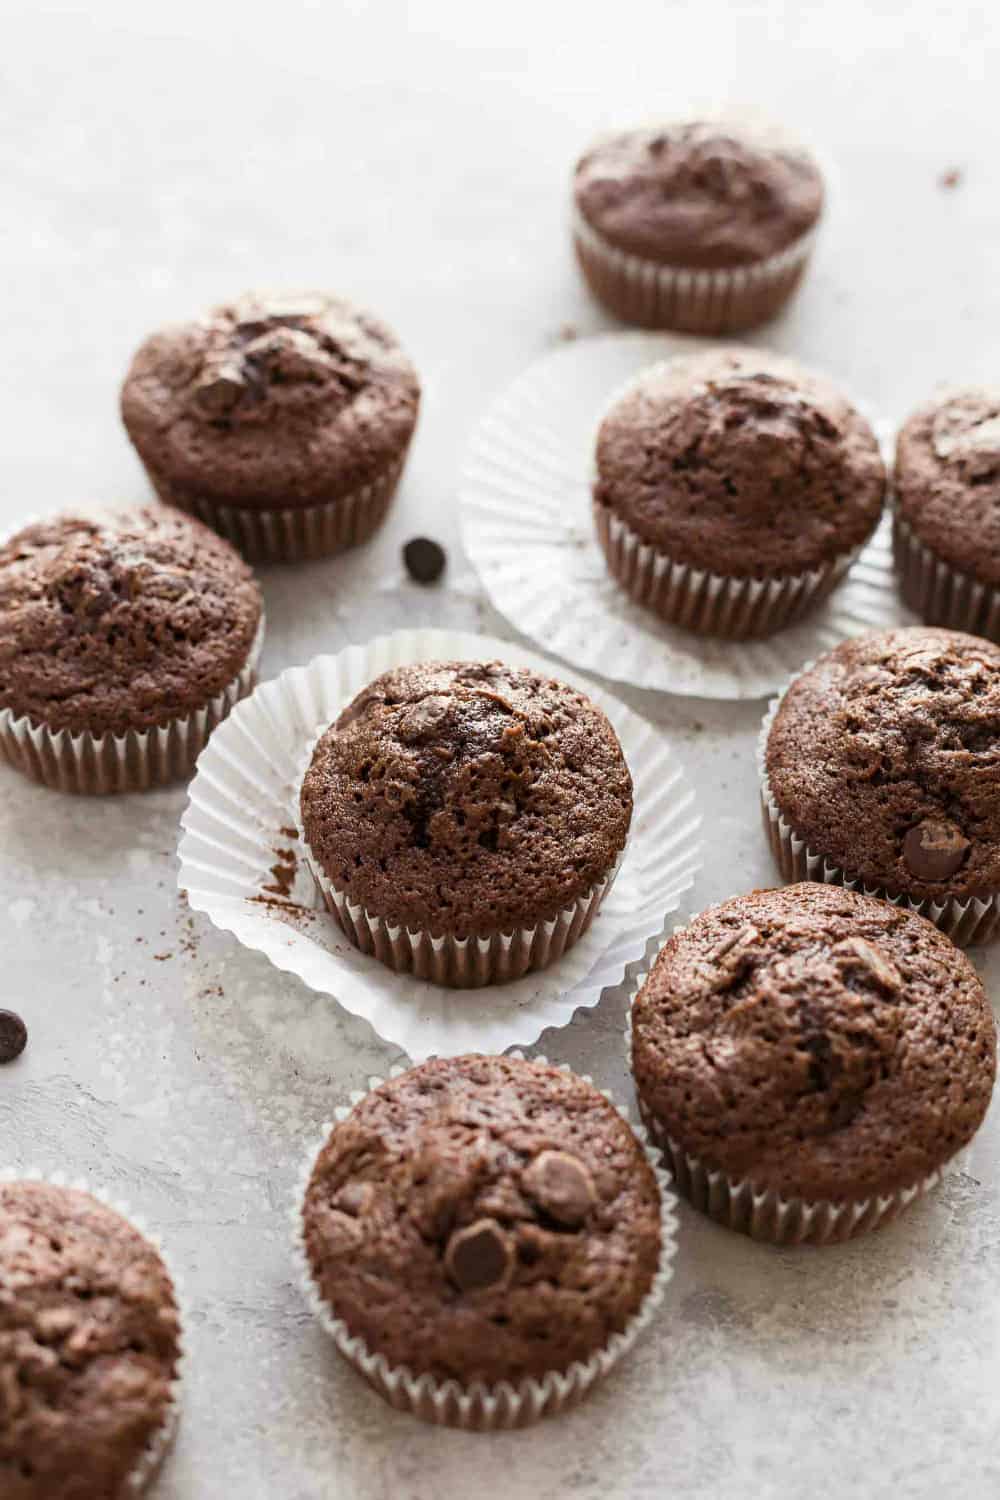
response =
{"points": [[561, 1186], [13, 1036], [479, 1256], [935, 849], [220, 389], [423, 718], [424, 559], [871, 959], [743, 937], [354, 1198]]}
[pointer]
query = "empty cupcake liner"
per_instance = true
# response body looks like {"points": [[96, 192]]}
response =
{"points": [[765, 1213], [735, 608], [158, 1446], [291, 533], [529, 528], [966, 919], [939, 593], [654, 295], [89, 764], [240, 816], [478, 1407]]}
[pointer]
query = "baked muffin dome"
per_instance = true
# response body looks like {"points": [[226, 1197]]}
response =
{"points": [[483, 1219]]}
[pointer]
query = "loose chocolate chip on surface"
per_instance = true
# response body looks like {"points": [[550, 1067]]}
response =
{"points": [[424, 559], [479, 1256], [219, 390], [871, 959], [13, 1036], [935, 849], [561, 1186], [354, 1198]]}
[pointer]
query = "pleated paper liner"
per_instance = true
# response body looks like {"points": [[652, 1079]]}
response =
{"points": [[293, 533], [939, 593], [238, 816], [89, 764], [966, 919], [764, 1213], [151, 1460], [528, 527], [478, 1407]]}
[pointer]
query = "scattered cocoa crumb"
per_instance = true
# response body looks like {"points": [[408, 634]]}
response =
{"points": [[283, 872], [162, 957], [289, 833], [567, 333], [950, 179]]}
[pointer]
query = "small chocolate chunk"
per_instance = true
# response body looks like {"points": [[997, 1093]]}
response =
{"points": [[856, 951], [354, 1198], [479, 1256], [743, 937], [423, 717], [219, 389], [935, 849], [13, 1036], [425, 559], [561, 1186]]}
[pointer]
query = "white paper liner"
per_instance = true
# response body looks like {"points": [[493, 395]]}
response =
{"points": [[967, 920], [653, 295], [527, 526], [939, 593], [478, 1407], [93, 765], [764, 1213], [239, 802], [158, 1447]]}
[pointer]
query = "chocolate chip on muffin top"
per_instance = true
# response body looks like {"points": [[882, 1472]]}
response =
{"points": [[947, 480], [483, 1218], [121, 620], [89, 1345], [698, 195], [824, 1044], [885, 758], [741, 463], [467, 797], [275, 397]]}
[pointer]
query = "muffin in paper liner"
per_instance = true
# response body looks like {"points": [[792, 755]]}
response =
{"points": [[149, 1463], [478, 1407], [89, 764], [939, 593], [966, 920], [652, 295], [291, 533], [764, 1214]]}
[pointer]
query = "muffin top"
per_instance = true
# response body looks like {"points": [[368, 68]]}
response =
{"points": [[483, 1218], [121, 620], [698, 195], [298, 397], [741, 463], [947, 480], [467, 798], [89, 1345], [821, 1043], [885, 758]]}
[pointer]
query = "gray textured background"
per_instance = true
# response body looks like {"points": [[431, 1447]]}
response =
{"points": [[155, 159]]}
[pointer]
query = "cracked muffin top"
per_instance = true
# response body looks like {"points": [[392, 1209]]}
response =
{"points": [[121, 620], [885, 758], [467, 798], [699, 195], [820, 1043], [293, 397], [740, 462], [483, 1218], [947, 480], [89, 1345]]}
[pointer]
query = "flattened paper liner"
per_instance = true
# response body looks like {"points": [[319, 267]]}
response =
{"points": [[156, 1450], [967, 920], [478, 1407], [527, 526], [239, 805], [939, 593]]}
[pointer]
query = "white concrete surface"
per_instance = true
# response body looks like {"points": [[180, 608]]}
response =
{"points": [[155, 158]]}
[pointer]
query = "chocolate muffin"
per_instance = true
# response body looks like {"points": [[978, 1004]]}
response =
{"points": [[465, 819], [482, 1220], [90, 1348], [700, 226], [283, 420], [882, 769], [811, 1058], [733, 489], [947, 511], [125, 638]]}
